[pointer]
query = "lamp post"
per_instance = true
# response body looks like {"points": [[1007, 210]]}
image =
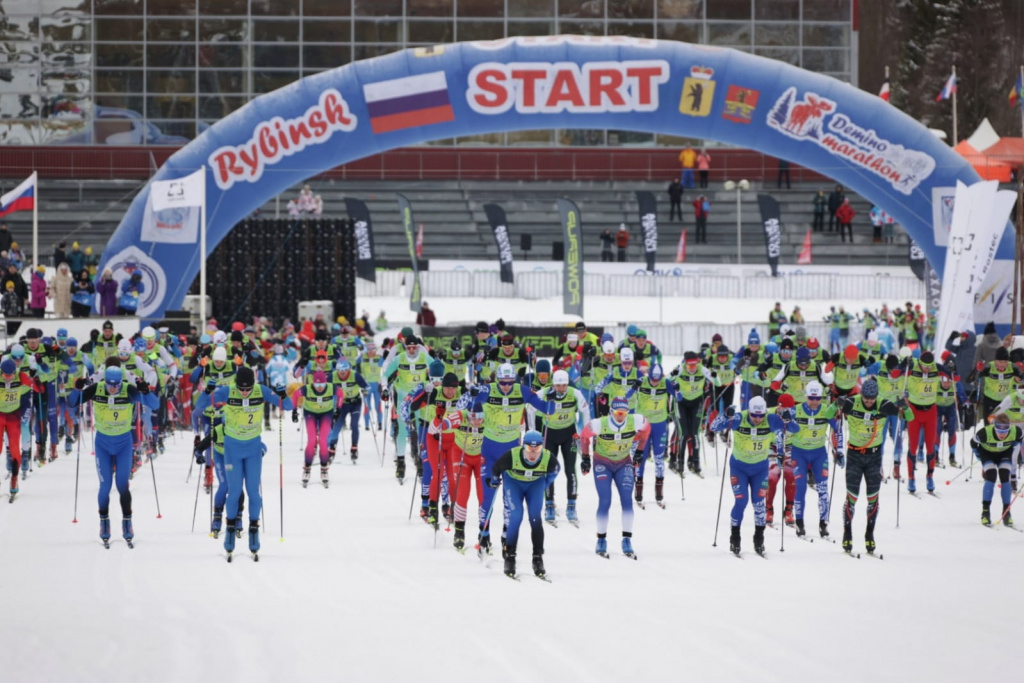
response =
{"points": [[741, 186]]}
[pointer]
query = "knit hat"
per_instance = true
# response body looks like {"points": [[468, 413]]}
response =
{"points": [[754, 338], [990, 328]]}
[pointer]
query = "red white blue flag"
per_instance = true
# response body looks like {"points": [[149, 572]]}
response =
{"points": [[948, 89], [884, 92], [21, 198], [409, 102]]}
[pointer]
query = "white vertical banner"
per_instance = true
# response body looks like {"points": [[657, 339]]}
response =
{"points": [[174, 208], [178, 193], [955, 272]]}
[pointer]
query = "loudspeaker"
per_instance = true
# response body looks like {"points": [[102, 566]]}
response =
{"points": [[526, 242], [557, 251]]}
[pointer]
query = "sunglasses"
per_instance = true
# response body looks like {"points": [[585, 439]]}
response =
{"points": [[506, 382], [814, 398]]}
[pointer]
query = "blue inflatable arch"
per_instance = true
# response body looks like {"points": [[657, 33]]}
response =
{"points": [[423, 94]]}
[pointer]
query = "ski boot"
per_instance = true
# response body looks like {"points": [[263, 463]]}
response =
{"points": [[26, 462], [800, 531], [254, 538], [400, 468], [460, 537], [105, 530], [1007, 519], [789, 514], [638, 491], [769, 515], [823, 528], [323, 477], [659, 491], [40, 455], [432, 518], [127, 531], [60, 432], [425, 510], [627, 547], [53, 452], [510, 565], [930, 483], [305, 476], [672, 467], [483, 540], [218, 520], [759, 540], [419, 466], [538, 566], [446, 512], [734, 541], [354, 454], [896, 471], [848, 539], [13, 493], [694, 465], [869, 539], [912, 485], [549, 512], [330, 454], [570, 512], [208, 477], [724, 436], [602, 546], [229, 537], [952, 460], [67, 444]]}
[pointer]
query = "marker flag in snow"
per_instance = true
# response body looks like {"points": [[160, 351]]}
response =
{"points": [[359, 214], [415, 294], [884, 92], [499, 225], [681, 249], [21, 198], [948, 89], [770, 215], [805, 253]]}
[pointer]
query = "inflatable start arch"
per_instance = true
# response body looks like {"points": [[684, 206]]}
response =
{"points": [[423, 94]]}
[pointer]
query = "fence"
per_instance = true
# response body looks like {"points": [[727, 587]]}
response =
{"points": [[544, 284]]}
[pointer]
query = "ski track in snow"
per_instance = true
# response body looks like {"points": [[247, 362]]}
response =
{"points": [[357, 592]]}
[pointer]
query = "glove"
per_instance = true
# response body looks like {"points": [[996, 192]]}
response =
{"points": [[200, 458], [980, 366], [80, 383], [493, 482], [295, 416], [238, 360], [746, 353], [830, 366], [205, 361], [139, 383], [439, 412], [775, 386], [729, 412], [786, 415], [895, 374], [840, 460], [337, 413], [385, 395], [210, 386], [635, 453], [281, 394], [585, 464], [901, 404]]}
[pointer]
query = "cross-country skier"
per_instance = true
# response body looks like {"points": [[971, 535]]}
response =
{"points": [[782, 466], [15, 401], [214, 443], [469, 439], [922, 390], [865, 419], [694, 382], [809, 451], [115, 401], [619, 441], [995, 446], [753, 432], [526, 472], [995, 380], [416, 413], [318, 402], [350, 388], [369, 368], [408, 367], [440, 439], [560, 436], [652, 396], [950, 395]]}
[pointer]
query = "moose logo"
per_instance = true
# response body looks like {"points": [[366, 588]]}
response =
{"points": [[817, 119]]}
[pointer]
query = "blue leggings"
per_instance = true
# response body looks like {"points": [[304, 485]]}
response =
{"points": [[893, 432], [220, 496], [947, 418], [114, 452], [815, 460], [348, 411], [372, 396], [243, 463], [46, 413], [619, 474], [520, 494], [749, 480], [655, 444], [491, 451]]}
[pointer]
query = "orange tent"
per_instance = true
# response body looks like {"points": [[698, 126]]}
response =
{"points": [[986, 166], [1008, 151]]}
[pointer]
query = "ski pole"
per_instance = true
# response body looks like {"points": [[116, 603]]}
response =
{"points": [[280, 465], [963, 471], [195, 505], [782, 489], [718, 516], [78, 459], [1007, 510], [415, 484], [149, 454]]}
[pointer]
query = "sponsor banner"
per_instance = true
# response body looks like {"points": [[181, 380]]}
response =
{"points": [[649, 225], [415, 293], [182, 192], [359, 214], [543, 340], [572, 270], [499, 225], [916, 260], [176, 225], [770, 218]]}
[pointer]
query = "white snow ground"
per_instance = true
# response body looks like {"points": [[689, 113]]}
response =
{"points": [[356, 592]]}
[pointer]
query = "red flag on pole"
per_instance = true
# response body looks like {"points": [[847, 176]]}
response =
{"points": [[681, 250], [805, 254], [419, 242]]}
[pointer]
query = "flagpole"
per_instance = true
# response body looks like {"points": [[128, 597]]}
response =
{"points": [[1020, 102], [955, 140], [202, 253], [35, 218]]}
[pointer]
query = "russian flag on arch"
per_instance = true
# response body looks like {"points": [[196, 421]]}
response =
{"points": [[21, 198], [948, 89], [408, 102]]}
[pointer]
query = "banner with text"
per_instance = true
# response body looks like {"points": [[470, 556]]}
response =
{"points": [[359, 214], [572, 270], [543, 340], [770, 216], [649, 225], [499, 225], [415, 294]]}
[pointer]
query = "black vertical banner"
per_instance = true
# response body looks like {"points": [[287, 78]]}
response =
{"points": [[649, 225], [916, 260], [499, 225], [770, 217], [572, 268], [366, 265], [415, 294]]}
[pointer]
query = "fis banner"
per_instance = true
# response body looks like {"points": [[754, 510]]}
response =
{"points": [[415, 294], [496, 217], [544, 341], [572, 269], [772, 230], [649, 225], [367, 107], [366, 266]]}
